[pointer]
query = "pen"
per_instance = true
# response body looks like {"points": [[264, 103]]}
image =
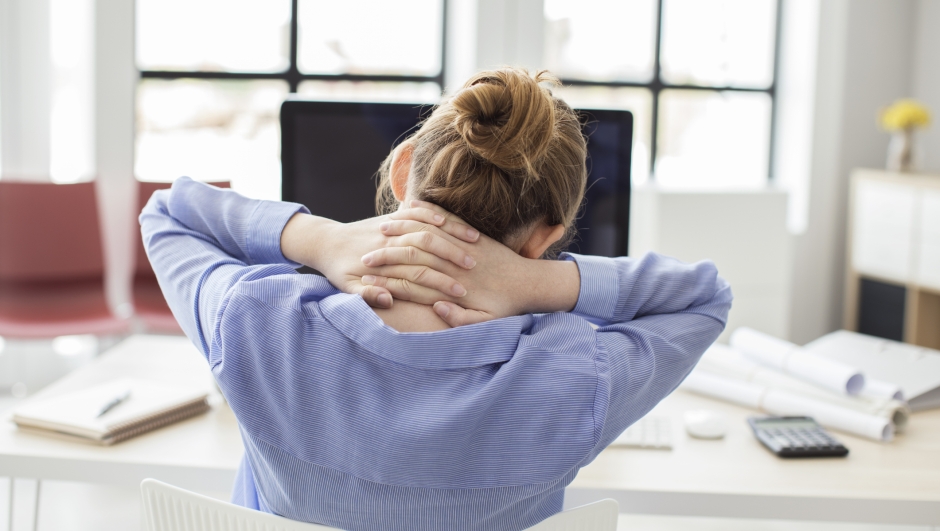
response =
{"points": [[114, 402]]}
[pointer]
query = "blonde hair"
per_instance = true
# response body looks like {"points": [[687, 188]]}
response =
{"points": [[502, 153]]}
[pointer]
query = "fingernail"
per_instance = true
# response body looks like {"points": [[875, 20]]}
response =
{"points": [[370, 280], [367, 259], [438, 218], [441, 309], [469, 262], [458, 290], [385, 300], [473, 234], [384, 226]]}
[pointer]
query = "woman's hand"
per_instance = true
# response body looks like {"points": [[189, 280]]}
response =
{"points": [[426, 236], [502, 284]]}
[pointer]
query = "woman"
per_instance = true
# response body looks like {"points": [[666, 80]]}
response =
{"points": [[390, 418]]}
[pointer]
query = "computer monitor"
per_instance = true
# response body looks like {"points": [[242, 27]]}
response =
{"points": [[331, 151]]}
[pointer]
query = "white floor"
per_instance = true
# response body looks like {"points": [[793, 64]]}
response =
{"points": [[67, 506]]}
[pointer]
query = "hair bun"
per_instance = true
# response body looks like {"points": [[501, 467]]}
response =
{"points": [[506, 117]]}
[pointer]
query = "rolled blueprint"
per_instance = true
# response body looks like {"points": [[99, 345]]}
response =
{"points": [[791, 359], [725, 361], [784, 403], [882, 389]]}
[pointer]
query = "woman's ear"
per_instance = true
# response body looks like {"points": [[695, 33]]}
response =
{"points": [[401, 170], [541, 239]]}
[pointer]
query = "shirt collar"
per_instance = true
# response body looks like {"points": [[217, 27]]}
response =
{"points": [[457, 348]]}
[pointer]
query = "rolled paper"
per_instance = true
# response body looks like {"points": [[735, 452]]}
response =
{"points": [[737, 392], [725, 361], [882, 389], [791, 359], [783, 403], [835, 417]]}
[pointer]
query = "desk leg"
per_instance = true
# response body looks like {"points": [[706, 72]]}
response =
{"points": [[36, 506], [11, 501]]}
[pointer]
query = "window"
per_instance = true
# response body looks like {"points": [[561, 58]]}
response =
{"points": [[214, 74], [697, 74]]}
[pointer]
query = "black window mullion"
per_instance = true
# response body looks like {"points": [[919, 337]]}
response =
{"points": [[293, 72], [656, 86], [294, 77], [440, 75], [772, 154], [285, 76], [661, 85]]}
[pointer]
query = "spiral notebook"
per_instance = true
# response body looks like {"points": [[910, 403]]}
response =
{"points": [[146, 406]]}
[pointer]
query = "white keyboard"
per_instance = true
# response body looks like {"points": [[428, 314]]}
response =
{"points": [[653, 433]]}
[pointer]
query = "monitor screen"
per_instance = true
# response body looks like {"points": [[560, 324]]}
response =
{"points": [[331, 151]]}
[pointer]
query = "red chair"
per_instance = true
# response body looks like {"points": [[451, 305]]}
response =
{"points": [[51, 262], [150, 306]]}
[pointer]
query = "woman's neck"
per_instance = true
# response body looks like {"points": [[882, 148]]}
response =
{"points": [[406, 316]]}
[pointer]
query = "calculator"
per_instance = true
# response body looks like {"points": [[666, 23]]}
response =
{"points": [[796, 437]]}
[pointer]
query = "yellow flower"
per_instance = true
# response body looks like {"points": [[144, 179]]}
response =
{"points": [[905, 114]]}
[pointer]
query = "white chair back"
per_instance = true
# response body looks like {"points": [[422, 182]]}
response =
{"points": [[169, 508]]}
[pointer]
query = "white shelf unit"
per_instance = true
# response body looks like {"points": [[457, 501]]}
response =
{"points": [[894, 238]]}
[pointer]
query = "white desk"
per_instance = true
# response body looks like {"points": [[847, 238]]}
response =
{"points": [[734, 477], [201, 453], [897, 482]]}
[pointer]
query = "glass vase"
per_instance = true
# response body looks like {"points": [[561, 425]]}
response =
{"points": [[903, 155]]}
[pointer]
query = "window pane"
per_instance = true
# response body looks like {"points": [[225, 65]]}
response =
{"points": [[211, 130], [370, 37], [719, 42], [600, 40], [213, 35], [637, 100], [371, 91], [713, 139]]}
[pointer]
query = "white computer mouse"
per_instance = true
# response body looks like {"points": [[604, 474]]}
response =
{"points": [[705, 424]]}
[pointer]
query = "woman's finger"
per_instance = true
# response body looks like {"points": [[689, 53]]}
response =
{"points": [[375, 296], [404, 221], [426, 215], [420, 275], [391, 256], [455, 315], [431, 243], [415, 203], [406, 290]]}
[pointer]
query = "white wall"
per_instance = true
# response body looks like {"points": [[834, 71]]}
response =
{"points": [[865, 62], [926, 75], [115, 89], [25, 89], [743, 232], [510, 32]]}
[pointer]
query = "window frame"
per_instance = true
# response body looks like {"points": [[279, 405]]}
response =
{"points": [[657, 85], [294, 77]]}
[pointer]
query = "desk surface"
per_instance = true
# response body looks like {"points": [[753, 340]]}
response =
{"points": [[734, 477], [897, 482], [201, 453]]}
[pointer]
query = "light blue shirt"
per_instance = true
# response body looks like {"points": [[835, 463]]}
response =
{"points": [[349, 423]]}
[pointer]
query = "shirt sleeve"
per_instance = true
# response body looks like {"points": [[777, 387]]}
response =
{"points": [[202, 240], [656, 318]]}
